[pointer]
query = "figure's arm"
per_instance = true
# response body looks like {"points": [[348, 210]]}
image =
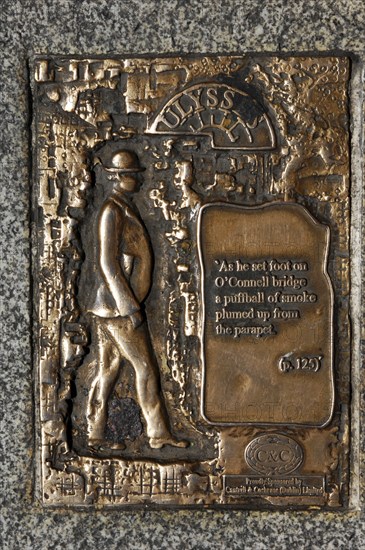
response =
{"points": [[109, 229]]}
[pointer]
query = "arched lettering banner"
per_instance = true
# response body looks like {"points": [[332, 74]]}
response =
{"points": [[232, 118]]}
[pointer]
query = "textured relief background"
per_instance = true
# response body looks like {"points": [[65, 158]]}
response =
{"points": [[133, 27]]}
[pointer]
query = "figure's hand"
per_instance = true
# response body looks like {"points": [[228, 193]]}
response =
{"points": [[136, 318]]}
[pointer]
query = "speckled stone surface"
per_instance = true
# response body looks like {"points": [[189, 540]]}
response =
{"points": [[101, 27]]}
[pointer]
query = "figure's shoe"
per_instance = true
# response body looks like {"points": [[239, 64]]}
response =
{"points": [[159, 442], [103, 445]]}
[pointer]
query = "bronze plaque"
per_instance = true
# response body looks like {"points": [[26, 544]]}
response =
{"points": [[191, 276], [267, 327]]}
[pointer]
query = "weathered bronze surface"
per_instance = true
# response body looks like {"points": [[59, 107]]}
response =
{"points": [[191, 226]]}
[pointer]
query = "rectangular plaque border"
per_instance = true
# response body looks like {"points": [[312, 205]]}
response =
{"points": [[37, 399]]}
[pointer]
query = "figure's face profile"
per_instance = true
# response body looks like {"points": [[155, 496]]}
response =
{"points": [[123, 182], [122, 170]]}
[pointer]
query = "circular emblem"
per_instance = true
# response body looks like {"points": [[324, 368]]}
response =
{"points": [[274, 454]]}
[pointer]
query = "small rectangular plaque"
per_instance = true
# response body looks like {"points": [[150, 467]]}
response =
{"points": [[267, 326], [191, 276]]}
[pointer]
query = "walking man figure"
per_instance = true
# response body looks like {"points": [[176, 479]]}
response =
{"points": [[115, 280]]}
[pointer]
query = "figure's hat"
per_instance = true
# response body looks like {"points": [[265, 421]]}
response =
{"points": [[124, 161]]}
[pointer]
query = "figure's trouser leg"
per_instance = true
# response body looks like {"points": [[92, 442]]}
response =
{"points": [[103, 384], [134, 345]]}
